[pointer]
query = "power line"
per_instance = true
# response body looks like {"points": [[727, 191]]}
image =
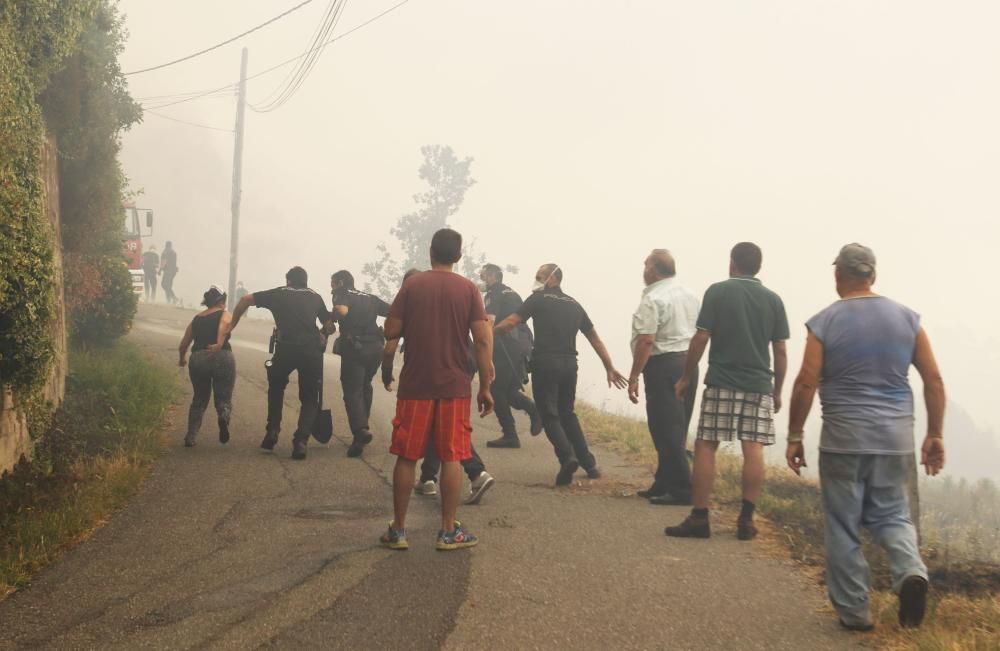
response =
{"points": [[189, 96], [192, 124], [214, 91], [226, 42], [297, 77]]}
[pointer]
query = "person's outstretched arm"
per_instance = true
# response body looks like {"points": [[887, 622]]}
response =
{"points": [[185, 344], [803, 394], [244, 304], [615, 379], [696, 349], [482, 339], [393, 331], [780, 352], [509, 323], [932, 451]]}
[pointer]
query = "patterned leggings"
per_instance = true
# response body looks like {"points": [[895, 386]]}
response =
{"points": [[211, 373]]}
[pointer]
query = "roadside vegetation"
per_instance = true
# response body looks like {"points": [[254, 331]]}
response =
{"points": [[92, 459], [960, 530]]}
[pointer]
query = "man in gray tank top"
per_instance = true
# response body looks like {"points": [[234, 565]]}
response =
{"points": [[858, 354]]}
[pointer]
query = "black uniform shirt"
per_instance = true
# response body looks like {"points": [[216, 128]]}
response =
{"points": [[169, 260], [501, 301], [557, 319], [362, 311], [295, 313], [150, 261]]}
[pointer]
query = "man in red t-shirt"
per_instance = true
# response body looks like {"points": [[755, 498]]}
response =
{"points": [[435, 312]]}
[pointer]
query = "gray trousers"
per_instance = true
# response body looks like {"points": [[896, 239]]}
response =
{"points": [[211, 373]]}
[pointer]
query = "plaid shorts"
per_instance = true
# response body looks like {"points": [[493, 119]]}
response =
{"points": [[727, 415], [444, 423]]}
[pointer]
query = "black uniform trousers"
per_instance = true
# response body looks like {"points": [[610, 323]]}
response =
{"points": [[357, 370], [431, 465], [168, 284], [553, 382], [668, 420], [307, 360], [506, 388]]}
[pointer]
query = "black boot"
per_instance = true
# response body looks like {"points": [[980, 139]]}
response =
{"points": [[223, 431], [505, 441], [363, 438], [270, 440]]}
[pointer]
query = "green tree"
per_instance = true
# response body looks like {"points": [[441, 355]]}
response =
{"points": [[449, 178], [88, 107]]}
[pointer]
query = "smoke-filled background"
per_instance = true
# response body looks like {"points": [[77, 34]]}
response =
{"points": [[600, 131]]}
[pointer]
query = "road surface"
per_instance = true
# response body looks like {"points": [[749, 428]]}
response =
{"points": [[229, 547]]}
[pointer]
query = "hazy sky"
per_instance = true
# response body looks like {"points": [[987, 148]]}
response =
{"points": [[601, 130]]}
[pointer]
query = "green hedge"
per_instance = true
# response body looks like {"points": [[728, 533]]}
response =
{"points": [[26, 268]]}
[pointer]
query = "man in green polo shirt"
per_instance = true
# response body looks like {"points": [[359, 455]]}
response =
{"points": [[744, 321]]}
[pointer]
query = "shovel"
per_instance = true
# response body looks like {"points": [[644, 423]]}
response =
{"points": [[323, 425]]}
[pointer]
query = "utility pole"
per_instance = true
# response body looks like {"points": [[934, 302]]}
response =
{"points": [[234, 242]]}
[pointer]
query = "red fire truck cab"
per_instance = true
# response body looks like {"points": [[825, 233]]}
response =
{"points": [[133, 233]]}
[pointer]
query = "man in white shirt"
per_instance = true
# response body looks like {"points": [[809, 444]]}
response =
{"points": [[662, 328]]}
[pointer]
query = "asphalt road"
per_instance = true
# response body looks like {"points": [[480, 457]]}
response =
{"points": [[230, 547]]}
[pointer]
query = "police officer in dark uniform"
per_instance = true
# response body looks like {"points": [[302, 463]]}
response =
{"points": [[510, 353], [558, 318], [296, 310], [360, 347]]}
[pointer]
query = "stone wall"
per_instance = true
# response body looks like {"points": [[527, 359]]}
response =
{"points": [[14, 440]]}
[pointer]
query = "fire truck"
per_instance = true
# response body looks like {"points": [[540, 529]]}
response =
{"points": [[133, 233]]}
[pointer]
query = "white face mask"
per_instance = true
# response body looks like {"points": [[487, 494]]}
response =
{"points": [[540, 284]]}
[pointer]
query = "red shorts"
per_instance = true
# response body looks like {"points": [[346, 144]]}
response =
{"points": [[444, 422]]}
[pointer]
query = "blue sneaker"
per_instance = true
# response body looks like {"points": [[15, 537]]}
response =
{"points": [[394, 538], [457, 538]]}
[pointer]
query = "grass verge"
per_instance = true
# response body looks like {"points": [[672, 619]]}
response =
{"points": [[964, 609], [88, 464]]}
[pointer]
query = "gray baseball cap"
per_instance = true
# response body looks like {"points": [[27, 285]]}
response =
{"points": [[857, 259]]}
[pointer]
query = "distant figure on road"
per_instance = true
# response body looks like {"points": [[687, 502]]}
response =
{"points": [[150, 267], [858, 353], [435, 311], [296, 310], [510, 353], [742, 318], [480, 481], [168, 267], [241, 291], [557, 319], [360, 346], [213, 367], [662, 328]]}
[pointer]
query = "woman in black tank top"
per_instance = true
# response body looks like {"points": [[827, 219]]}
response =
{"points": [[213, 367]]}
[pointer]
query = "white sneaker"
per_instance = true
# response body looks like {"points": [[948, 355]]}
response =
{"points": [[479, 486], [428, 487]]}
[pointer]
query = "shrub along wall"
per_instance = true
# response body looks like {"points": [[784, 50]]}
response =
{"points": [[58, 75]]}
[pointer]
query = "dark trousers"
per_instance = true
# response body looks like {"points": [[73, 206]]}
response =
{"points": [[431, 465], [308, 362], [150, 282], [553, 381], [357, 370], [668, 420], [506, 388], [168, 285], [211, 373]]}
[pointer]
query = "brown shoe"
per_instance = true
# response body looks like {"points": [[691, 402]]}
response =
{"points": [[694, 526], [746, 529]]}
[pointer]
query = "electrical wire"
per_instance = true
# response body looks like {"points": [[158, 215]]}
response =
{"points": [[192, 124], [193, 95], [218, 45], [297, 77]]}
